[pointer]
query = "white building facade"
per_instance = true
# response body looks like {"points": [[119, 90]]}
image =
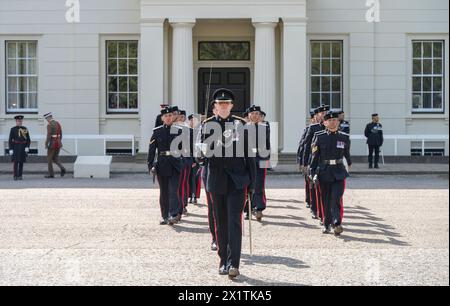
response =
{"points": [[108, 73]]}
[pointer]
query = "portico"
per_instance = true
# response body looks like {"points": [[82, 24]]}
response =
{"points": [[169, 68]]}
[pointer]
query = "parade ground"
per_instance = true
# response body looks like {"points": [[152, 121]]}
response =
{"points": [[107, 232]]}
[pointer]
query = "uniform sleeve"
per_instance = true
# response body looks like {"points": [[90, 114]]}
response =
{"points": [[47, 140], [28, 139], [347, 152], [307, 147], [367, 131], [268, 144], [151, 152], [381, 135], [315, 157], [11, 139], [300, 150]]}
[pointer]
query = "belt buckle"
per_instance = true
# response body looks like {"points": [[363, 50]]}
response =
{"points": [[333, 162]]}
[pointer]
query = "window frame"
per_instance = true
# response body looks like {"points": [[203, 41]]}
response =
{"points": [[344, 90], [10, 111], [411, 59], [106, 75], [247, 42]]}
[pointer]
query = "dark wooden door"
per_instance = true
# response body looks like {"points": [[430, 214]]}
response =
{"points": [[235, 79]]}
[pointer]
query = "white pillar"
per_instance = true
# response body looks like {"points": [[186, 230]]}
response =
{"points": [[151, 77], [182, 65], [265, 76], [294, 72]]}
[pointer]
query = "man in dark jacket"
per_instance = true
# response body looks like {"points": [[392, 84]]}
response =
{"points": [[19, 146], [374, 135]]}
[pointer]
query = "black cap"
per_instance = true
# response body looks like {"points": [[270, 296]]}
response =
{"points": [[167, 110], [322, 108], [374, 115], [331, 115], [191, 116], [183, 113], [254, 108], [20, 117], [341, 112], [223, 95]]}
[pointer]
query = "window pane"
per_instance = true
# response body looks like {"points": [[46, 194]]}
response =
{"points": [[32, 84], [12, 49], [315, 84], [417, 84], [133, 84], [22, 50], [326, 99], [437, 100], [23, 84], [112, 84], [417, 100], [12, 84], [32, 66], [315, 67], [123, 84], [22, 67], [22, 100], [32, 100], [417, 67], [123, 50], [336, 102], [112, 49], [326, 83], [133, 67], [31, 50], [437, 67], [417, 50], [427, 67], [326, 69], [315, 50], [437, 84], [315, 100], [427, 49], [427, 84], [133, 50], [12, 69], [123, 101], [326, 50], [123, 67], [112, 66], [336, 84], [224, 51], [336, 66], [12, 101], [427, 100], [133, 100], [337, 50], [112, 101], [437, 49]]}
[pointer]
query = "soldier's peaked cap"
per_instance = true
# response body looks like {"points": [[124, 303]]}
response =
{"points": [[167, 110], [331, 115], [223, 95], [322, 108], [254, 108], [48, 115], [20, 117]]}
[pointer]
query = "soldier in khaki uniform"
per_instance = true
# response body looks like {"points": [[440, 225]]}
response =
{"points": [[53, 144]]}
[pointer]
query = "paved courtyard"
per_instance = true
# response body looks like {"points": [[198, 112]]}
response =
{"points": [[94, 232]]}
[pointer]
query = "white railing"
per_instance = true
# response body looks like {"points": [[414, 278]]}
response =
{"points": [[77, 138], [422, 138]]}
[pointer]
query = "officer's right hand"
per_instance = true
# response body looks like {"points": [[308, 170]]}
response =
{"points": [[153, 171], [11, 152]]}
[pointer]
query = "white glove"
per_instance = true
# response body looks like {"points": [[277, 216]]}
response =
{"points": [[11, 152], [27, 150]]}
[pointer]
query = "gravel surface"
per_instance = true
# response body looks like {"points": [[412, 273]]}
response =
{"points": [[106, 232]]}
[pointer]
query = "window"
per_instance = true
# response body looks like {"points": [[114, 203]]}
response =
{"points": [[428, 76], [430, 148], [326, 74], [224, 51], [21, 76], [122, 76]]}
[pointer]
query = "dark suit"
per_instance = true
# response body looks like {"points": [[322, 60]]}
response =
{"points": [[331, 147], [19, 140], [168, 169], [375, 140], [229, 177]]}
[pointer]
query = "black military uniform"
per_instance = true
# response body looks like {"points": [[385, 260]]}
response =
{"points": [[306, 159], [195, 171], [327, 165], [229, 176], [344, 126], [19, 146], [300, 152], [168, 169], [374, 134]]}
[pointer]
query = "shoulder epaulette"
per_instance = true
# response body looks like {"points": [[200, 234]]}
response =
{"points": [[158, 127], [240, 118], [208, 119], [340, 132]]}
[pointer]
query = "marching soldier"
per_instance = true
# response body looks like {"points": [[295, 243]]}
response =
{"points": [[318, 126], [158, 121], [187, 160], [167, 167], [195, 174], [19, 146], [53, 143], [328, 170], [374, 134], [344, 126], [300, 151], [230, 174], [259, 200]]}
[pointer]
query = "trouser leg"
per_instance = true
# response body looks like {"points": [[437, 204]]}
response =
{"points": [[20, 169], [313, 192], [56, 160], [377, 155], [50, 157], [15, 169], [220, 210], [259, 197], [326, 200], [235, 205], [211, 222], [337, 192], [307, 191], [371, 150], [163, 182], [174, 200]]}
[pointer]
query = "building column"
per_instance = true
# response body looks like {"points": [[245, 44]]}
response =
{"points": [[182, 65], [294, 72], [264, 93], [151, 77]]}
